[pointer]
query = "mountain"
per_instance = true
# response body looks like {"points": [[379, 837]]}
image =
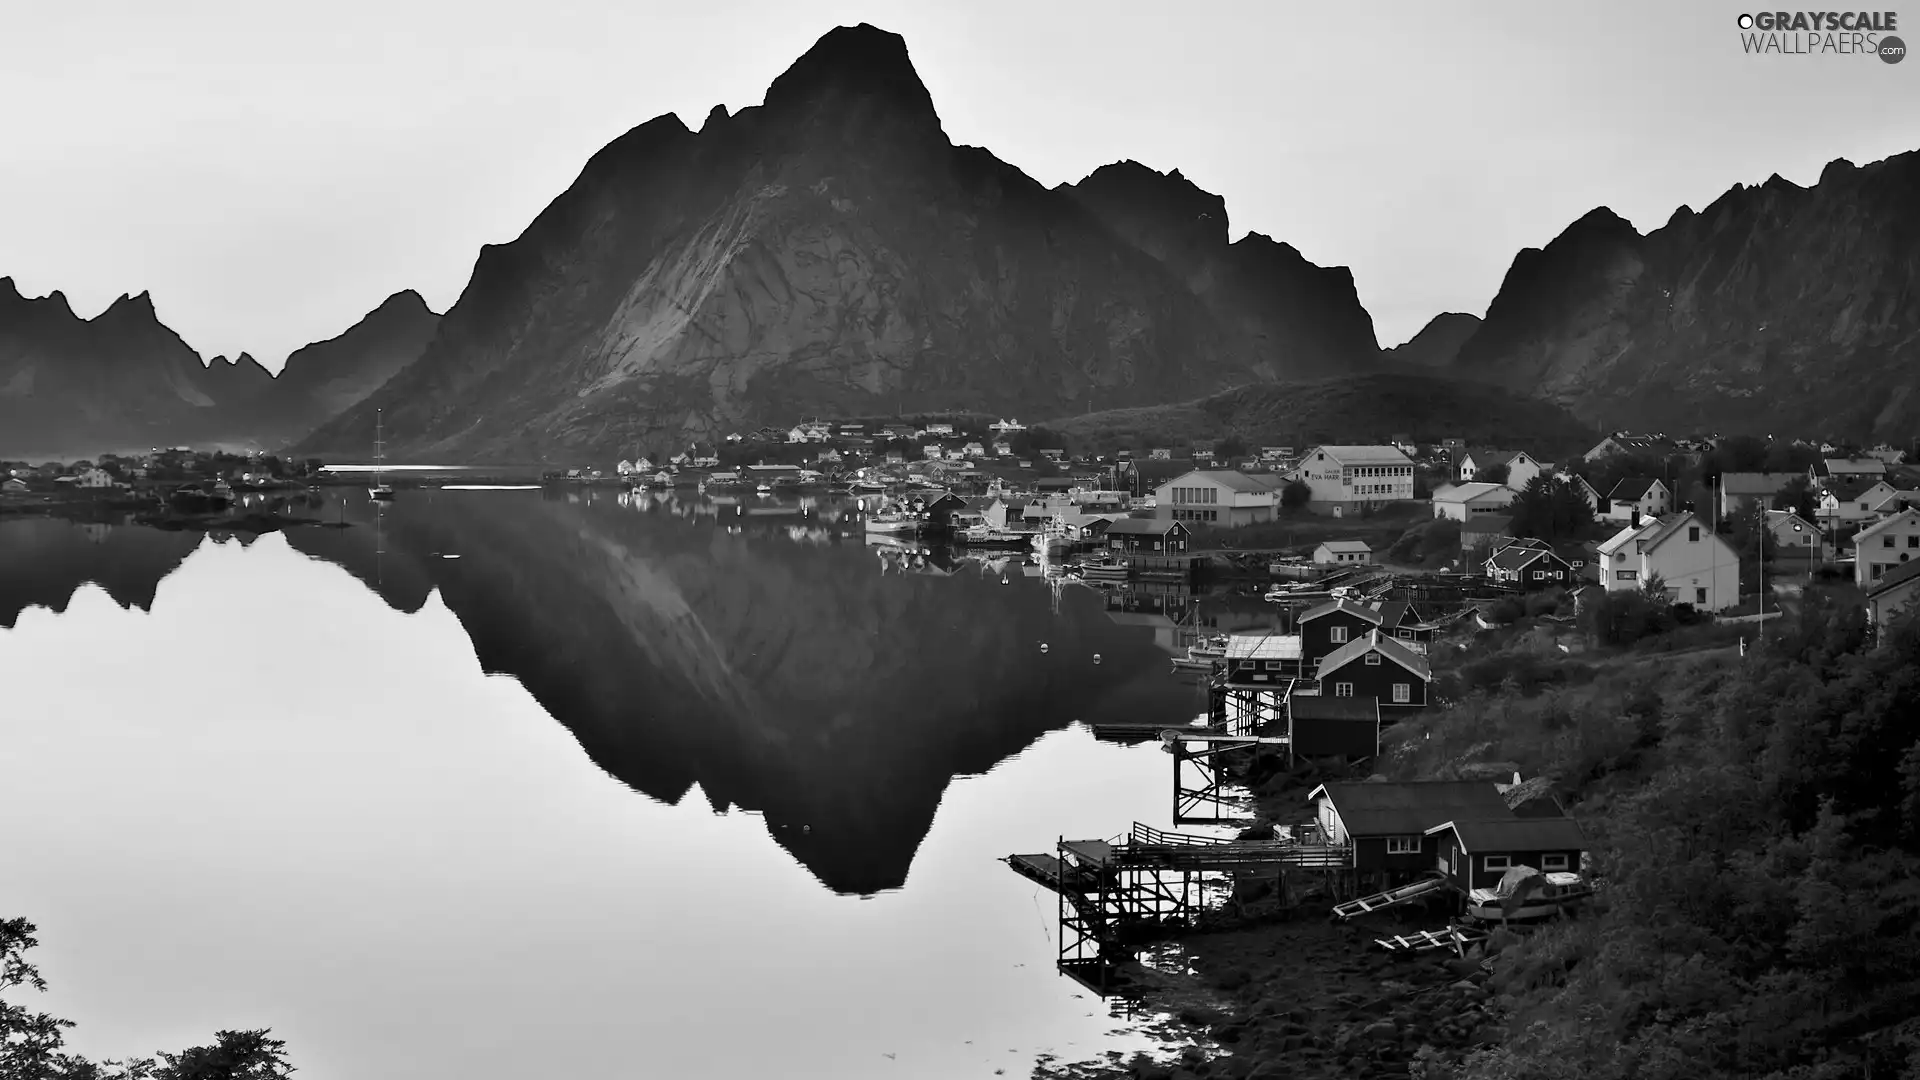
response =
{"points": [[794, 676], [123, 381], [1775, 308], [1299, 318], [1359, 409], [44, 561], [832, 252], [1437, 343]]}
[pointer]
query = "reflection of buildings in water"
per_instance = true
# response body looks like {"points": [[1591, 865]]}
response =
{"points": [[96, 532]]}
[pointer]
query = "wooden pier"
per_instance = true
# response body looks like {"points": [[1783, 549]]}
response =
{"points": [[1116, 896]]}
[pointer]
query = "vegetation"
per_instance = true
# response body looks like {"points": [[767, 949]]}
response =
{"points": [[32, 1044], [1428, 544], [1550, 510], [1354, 409], [1755, 823]]}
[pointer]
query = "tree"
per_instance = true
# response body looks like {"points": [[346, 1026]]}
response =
{"points": [[31, 1044], [1295, 495], [1797, 495], [1492, 474], [1231, 447], [1551, 510]]}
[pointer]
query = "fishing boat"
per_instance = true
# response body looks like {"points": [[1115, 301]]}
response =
{"points": [[380, 490], [1211, 647], [868, 487], [889, 522], [1108, 569], [1525, 895]]}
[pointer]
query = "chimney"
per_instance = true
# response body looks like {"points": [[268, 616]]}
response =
{"points": [[1635, 521]]}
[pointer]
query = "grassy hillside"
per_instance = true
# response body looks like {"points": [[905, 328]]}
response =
{"points": [[1352, 409]]}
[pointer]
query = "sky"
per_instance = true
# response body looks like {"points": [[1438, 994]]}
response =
{"points": [[270, 173]]}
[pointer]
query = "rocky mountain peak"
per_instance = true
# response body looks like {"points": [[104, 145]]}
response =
{"points": [[853, 66]]}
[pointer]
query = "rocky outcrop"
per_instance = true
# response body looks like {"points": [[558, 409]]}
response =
{"points": [[1777, 307], [1437, 343], [124, 382], [829, 251]]}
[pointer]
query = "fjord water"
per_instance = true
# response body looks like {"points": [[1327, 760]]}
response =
{"points": [[498, 784]]}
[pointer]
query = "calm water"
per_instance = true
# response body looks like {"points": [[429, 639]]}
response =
{"points": [[508, 785]]}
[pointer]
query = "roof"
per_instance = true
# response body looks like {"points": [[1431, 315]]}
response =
{"points": [[1401, 809], [1144, 526], [1322, 707], [1263, 647], [1363, 455], [1884, 524], [1487, 456], [1633, 488], [1231, 479], [1346, 545], [1516, 557], [1756, 483], [1392, 612], [1357, 610], [1777, 518], [1467, 492], [1507, 832], [1894, 578], [1869, 466], [1627, 441], [1373, 642]]}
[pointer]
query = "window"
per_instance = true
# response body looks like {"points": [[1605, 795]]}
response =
{"points": [[1497, 862], [1275, 665], [1403, 632], [1625, 575], [1699, 596], [1539, 575], [1693, 533], [1914, 541], [1373, 659], [1402, 693], [1343, 689], [1551, 863], [1337, 635], [1886, 541], [1403, 845]]}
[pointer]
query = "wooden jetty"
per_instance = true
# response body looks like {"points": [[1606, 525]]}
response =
{"points": [[1117, 895], [1453, 937], [1391, 897]]}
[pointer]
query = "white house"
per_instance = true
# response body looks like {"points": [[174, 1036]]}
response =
{"points": [[1461, 501], [1521, 467], [1644, 495], [1885, 544], [1698, 567], [1002, 448], [1866, 468], [1737, 487], [1893, 594], [937, 431], [811, 431], [734, 437], [1351, 477], [1894, 500], [1343, 553], [94, 478], [1007, 427], [13, 486], [1839, 504], [973, 450], [1217, 497]]}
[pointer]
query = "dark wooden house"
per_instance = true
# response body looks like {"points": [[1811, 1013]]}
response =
{"points": [[1529, 564], [1319, 727], [941, 508], [1476, 852], [1146, 536], [1376, 667], [1388, 823], [1331, 626], [1399, 621]]}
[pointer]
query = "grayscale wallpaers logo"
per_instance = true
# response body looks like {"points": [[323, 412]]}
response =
{"points": [[1823, 33]]}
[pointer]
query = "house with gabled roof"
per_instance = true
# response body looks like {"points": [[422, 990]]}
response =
{"points": [[1319, 726], [1793, 535], [1735, 488], [1849, 500], [1401, 622], [1892, 594], [1882, 546], [1476, 852], [1146, 536], [1625, 442], [1521, 467], [1343, 553], [1865, 468], [1387, 824], [1638, 497], [1697, 566], [1529, 566], [1459, 502], [1378, 667], [1217, 497], [1328, 627]]}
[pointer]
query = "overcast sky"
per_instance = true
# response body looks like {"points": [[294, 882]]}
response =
{"points": [[270, 172]]}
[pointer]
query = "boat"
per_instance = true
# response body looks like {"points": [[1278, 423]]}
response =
{"points": [[763, 488], [1194, 663], [1108, 569], [1525, 894], [1212, 647], [892, 521], [380, 490], [868, 487]]}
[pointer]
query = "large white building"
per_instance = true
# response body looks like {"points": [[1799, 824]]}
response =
{"points": [[1697, 567], [1217, 497], [1462, 501], [1351, 477]]}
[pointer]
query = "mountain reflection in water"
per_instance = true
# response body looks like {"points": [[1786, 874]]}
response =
{"points": [[779, 667]]}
